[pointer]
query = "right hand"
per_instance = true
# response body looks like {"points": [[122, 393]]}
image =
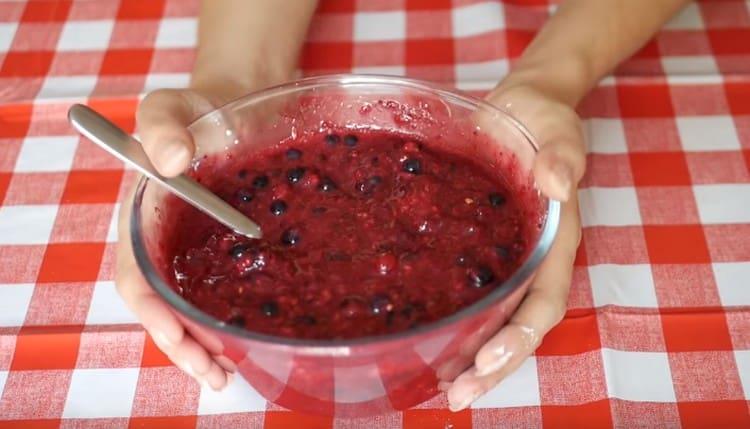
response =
{"points": [[162, 120]]}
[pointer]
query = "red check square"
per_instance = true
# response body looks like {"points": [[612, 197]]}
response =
{"points": [[46, 347], [136, 9], [126, 62], [580, 324], [428, 5], [695, 331], [90, 187], [336, 6], [26, 64], [730, 41], [120, 111], [660, 169], [714, 414], [291, 419], [71, 262], [738, 96], [644, 100], [4, 181], [517, 41], [676, 244], [14, 120], [436, 419], [329, 56], [425, 52], [152, 355], [42, 11], [176, 422], [590, 415]]}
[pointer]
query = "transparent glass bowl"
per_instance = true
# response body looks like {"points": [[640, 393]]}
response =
{"points": [[369, 375]]}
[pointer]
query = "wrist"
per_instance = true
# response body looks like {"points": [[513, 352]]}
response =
{"points": [[225, 82]]}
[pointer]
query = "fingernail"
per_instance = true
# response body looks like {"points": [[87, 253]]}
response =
{"points": [[562, 180], [465, 403], [502, 358], [161, 340], [172, 156]]}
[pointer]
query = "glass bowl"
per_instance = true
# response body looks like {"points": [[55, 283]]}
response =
{"points": [[369, 375]]}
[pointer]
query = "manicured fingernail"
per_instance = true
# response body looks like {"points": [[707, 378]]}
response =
{"points": [[465, 402], [502, 356], [562, 180]]}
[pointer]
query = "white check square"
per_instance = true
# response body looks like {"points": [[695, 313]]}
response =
{"points": [[3, 379], [623, 285], [14, 302], [689, 66], [112, 231], [177, 33], [26, 224], [689, 18], [107, 307], [67, 87], [708, 133], [606, 136], [638, 376], [166, 80], [733, 283], [101, 393], [44, 154], [85, 35], [742, 357], [378, 26], [7, 33], [478, 19], [470, 76], [723, 203], [520, 389], [237, 397], [609, 206]]}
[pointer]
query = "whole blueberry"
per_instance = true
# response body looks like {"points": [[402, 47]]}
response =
{"points": [[412, 165], [242, 173], [502, 252], [350, 140], [244, 195], [496, 199], [270, 309], [278, 207], [260, 182], [333, 139], [327, 185], [380, 304], [238, 251], [480, 276], [290, 237], [293, 154], [294, 175]]}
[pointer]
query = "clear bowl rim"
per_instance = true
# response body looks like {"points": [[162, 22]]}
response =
{"points": [[518, 278]]}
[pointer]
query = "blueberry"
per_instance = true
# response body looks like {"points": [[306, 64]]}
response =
{"points": [[293, 154], [333, 139], [327, 185], [278, 207], [260, 182], [368, 187], [381, 304], [238, 251], [307, 320], [350, 140], [481, 276], [294, 175], [242, 173], [412, 165], [270, 309], [290, 237], [503, 252], [244, 195], [238, 321], [496, 199]]}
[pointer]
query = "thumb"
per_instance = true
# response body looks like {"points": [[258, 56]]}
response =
{"points": [[162, 120]]}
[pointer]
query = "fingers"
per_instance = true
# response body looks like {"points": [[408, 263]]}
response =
{"points": [[192, 358], [162, 120], [542, 309]]}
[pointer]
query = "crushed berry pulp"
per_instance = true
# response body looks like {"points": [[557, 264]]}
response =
{"points": [[365, 233]]}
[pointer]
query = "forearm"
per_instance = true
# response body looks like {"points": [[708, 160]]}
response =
{"points": [[585, 40], [247, 44]]}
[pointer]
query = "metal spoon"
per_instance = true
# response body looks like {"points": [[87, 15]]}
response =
{"points": [[123, 146]]}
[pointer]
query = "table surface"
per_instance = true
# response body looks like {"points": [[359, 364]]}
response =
{"points": [[658, 328]]}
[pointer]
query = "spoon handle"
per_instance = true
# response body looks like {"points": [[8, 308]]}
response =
{"points": [[117, 142]]}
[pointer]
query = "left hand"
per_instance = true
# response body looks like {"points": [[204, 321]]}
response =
{"points": [[558, 167]]}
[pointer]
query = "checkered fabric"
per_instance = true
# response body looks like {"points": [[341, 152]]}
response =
{"points": [[658, 328]]}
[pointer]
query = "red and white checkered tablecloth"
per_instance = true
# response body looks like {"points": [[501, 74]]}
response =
{"points": [[658, 328]]}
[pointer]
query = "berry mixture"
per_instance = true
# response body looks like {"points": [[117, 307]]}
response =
{"points": [[365, 233]]}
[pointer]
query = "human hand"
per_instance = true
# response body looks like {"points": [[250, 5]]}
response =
{"points": [[558, 167], [162, 119]]}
